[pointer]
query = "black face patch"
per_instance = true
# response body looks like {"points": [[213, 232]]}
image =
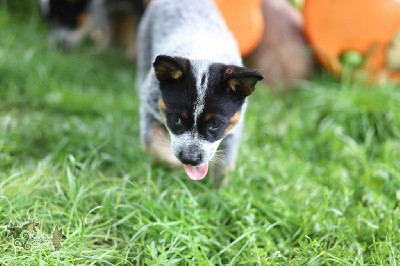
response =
{"points": [[220, 104], [178, 94], [227, 88]]}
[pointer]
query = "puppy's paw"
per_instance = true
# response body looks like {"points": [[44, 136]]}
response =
{"points": [[220, 176], [158, 145]]}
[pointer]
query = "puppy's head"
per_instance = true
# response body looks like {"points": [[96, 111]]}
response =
{"points": [[201, 103]]}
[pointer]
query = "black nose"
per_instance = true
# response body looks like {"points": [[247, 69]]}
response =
{"points": [[190, 156]]}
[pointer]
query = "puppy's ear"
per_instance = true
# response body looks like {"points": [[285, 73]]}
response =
{"points": [[241, 80], [169, 69]]}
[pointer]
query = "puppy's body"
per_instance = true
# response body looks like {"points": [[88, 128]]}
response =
{"points": [[188, 28], [197, 88]]}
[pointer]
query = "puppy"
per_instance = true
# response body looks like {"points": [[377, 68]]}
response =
{"points": [[192, 86], [69, 20], [107, 22]]}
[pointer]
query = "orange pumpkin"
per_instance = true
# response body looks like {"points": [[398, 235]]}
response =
{"points": [[366, 26], [244, 18]]}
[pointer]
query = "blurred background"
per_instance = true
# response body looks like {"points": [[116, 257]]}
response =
{"points": [[286, 40]]}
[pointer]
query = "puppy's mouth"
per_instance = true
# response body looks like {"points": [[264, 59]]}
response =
{"points": [[196, 172]]}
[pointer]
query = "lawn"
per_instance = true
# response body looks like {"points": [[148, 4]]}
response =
{"points": [[317, 180]]}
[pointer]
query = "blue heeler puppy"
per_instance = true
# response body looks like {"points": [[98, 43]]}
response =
{"points": [[193, 87]]}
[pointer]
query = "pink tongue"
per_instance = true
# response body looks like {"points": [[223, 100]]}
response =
{"points": [[196, 172]]}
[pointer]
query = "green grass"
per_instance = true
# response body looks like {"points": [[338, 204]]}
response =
{"points": [[317, 180]]}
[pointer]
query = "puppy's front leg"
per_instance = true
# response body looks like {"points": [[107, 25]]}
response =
{"points": [[156, 141], [227, 154]]}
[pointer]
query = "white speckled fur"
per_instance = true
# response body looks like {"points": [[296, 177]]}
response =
{"points": [[208, 149], [202, 71]]}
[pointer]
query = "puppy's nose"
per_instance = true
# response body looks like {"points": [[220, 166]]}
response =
{"points": [[190, 156]]}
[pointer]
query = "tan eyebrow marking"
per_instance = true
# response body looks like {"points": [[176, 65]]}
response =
{"points": [[185, 115], [207, 117], [232, 122]]}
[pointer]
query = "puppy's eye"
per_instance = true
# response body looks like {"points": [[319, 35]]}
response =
{"points": [[214, 125], [176, 120]]}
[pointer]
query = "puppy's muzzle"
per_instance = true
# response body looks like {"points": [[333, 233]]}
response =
{"points": [[191, 155]]}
